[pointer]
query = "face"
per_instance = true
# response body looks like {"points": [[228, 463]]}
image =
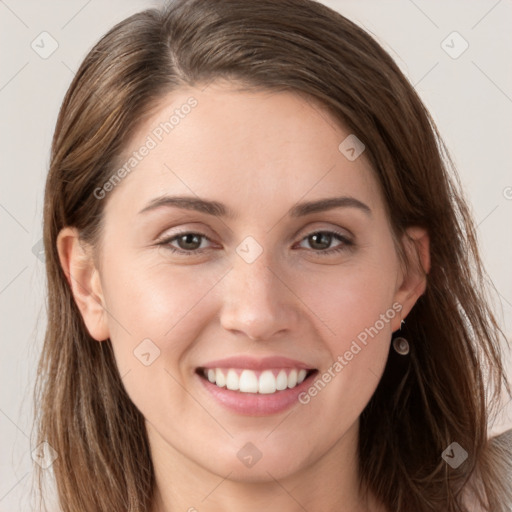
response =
{"points": [[244, 250]]}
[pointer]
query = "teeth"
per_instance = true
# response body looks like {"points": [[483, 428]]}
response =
{"points": [[292, 379], [282, 380], [267, 383], [232, 380], [220, 380], [248, 381]]}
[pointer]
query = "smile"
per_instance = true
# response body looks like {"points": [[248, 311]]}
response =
{"points": [[255, 386], [253, 381]]}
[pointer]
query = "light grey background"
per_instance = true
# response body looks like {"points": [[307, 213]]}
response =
{"points": [[469, 96]]}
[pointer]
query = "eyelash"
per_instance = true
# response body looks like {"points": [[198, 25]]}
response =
{"points": [[344, 246]]}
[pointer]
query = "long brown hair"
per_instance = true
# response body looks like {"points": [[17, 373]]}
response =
{"points": [[450, 386]]}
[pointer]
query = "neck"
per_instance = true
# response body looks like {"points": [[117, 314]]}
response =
{"points": [[327, 484]]}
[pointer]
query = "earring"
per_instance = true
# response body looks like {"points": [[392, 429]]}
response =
{"points": [[400, 344]]}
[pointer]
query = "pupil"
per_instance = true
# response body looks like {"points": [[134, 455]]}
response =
{"points": [[320, 240], [189, 241]]}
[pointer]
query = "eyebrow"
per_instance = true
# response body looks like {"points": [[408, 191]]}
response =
{"points": [[220, 210]]}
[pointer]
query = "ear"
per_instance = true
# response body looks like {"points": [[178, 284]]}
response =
{"points": [[84, 280], [413, 282]]}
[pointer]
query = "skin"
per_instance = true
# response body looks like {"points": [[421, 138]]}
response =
{"points": [[258, 153]]}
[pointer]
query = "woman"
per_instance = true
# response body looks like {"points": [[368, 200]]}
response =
{"points": [[264, 284]]}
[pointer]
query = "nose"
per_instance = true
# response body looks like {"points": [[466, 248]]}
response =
{"points": [[257, 300]]}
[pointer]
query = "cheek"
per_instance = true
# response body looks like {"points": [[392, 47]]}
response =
{"points": [[159, 303], [356, 308], [351, 300], [157, 296]]}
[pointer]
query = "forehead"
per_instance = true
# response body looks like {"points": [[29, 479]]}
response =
{"points": [[247, 148]]}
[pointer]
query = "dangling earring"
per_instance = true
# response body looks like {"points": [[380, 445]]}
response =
{"points": [[400, 344]]}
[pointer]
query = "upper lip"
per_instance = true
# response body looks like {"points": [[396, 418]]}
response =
{"points": [[252, 363]]}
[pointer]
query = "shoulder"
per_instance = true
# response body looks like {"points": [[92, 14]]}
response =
{"points": [[503, 440], [500, 448], [497, 465]]}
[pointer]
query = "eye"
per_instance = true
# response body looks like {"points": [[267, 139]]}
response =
{"points": [[187, 243], [190, 243], [321, 242]]}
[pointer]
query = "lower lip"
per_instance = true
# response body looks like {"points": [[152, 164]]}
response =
{"points": [[256, 404]]}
